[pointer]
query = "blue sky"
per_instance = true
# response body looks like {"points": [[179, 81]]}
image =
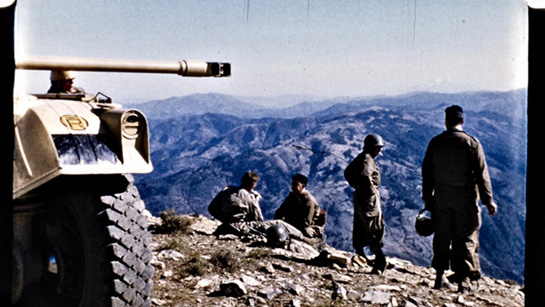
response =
{"points": [[302, 47]]}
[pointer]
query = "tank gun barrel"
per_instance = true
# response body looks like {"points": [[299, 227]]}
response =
{"points": [[186, 68]]}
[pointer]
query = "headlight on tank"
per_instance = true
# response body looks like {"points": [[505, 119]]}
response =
{"points": [[132, 124]]}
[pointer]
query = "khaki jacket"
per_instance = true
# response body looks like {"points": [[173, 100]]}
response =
{"points": [[301, 211], [455, 160], [235, 204], [363, 174]]}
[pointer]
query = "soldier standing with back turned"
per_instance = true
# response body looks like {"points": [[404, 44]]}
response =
{"points": [[454, 175]]}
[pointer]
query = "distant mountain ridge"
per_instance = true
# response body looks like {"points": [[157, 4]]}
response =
{"points": [[196, 155], [198, 104]]}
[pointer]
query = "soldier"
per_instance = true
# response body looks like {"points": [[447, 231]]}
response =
{"points": [[237, 207], [238, 203], [62, 82], [363, 175], [454, 175], [300, 208]]}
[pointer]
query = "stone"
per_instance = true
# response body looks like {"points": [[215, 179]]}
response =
{"points": [[410, 304], [294, 288], [158, 302], [294, 303], [282, 267], [359, 260], [340, 258], [376, 297], [339, 292], [267, 268], [233, 288], [354, 295], [167, 273], [204, 283], [269, 292], [386, 288], [170, 254], [248, 280], [228, 237], [204, 225], [337, 277], [280, 277], [158, 264]]}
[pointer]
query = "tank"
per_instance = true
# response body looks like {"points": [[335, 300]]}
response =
{"points": [[80, 230]]}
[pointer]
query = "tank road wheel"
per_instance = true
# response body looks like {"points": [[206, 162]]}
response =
{"points": [[95, 248]]}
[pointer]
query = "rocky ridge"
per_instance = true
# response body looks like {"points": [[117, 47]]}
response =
{"points": [[195, 156], [194, 267]]}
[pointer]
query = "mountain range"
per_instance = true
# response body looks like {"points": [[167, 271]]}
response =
{"points": [[203, 142]]}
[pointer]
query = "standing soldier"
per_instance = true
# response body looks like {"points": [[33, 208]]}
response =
{"points": [[363, 175], [454, 175]]}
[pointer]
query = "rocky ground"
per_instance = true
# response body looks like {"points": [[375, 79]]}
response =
{"points": [[193, 267]]}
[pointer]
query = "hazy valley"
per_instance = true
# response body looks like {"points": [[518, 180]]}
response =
{"points": [[201, 143]]}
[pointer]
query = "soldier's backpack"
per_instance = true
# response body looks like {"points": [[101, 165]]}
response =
{"points": [[215, 206]]}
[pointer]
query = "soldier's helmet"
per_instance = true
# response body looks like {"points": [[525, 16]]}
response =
{"points": [[58, 75], [277, 235], [373, 140], [423, 224]]}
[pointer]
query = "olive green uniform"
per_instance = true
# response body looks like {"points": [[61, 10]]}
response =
{"points": [[236, 204], [454, 175], [363, 175], [301, 211]]}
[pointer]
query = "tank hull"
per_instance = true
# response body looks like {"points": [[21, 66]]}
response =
{"points": [[62, 137]]}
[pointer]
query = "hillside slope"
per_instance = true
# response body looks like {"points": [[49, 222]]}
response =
{"points": [[196, 155], [196, 268]]}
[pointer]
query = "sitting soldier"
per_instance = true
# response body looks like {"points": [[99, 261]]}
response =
{"points": [[237, 207], [238, 203], [301, 209]]}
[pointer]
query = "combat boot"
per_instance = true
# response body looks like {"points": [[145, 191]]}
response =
{"points": [[380, 263], [465, 286], [438, 280]]}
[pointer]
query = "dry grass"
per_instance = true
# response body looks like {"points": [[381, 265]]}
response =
{"points": [[171, 222], [225, 260]]}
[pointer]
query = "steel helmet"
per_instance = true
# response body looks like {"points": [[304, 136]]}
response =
{"points": [[58, 75], [373, 140], [423, 224], [277, 235]]}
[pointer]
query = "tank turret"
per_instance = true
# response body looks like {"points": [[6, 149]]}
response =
{"points": [[80, 233]]}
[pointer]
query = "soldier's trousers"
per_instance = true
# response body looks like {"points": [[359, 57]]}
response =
{"points": [[368, 228], [457, 220]]}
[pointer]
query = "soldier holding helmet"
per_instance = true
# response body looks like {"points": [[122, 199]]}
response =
{"points": [[454, 176]]}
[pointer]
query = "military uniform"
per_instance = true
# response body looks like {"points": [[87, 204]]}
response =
{"points": [[363, 175], [57, 89], [236, 204], [454, 175], [301, 211]]}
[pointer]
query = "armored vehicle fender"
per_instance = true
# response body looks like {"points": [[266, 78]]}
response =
{"points": [[64, 137]]}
